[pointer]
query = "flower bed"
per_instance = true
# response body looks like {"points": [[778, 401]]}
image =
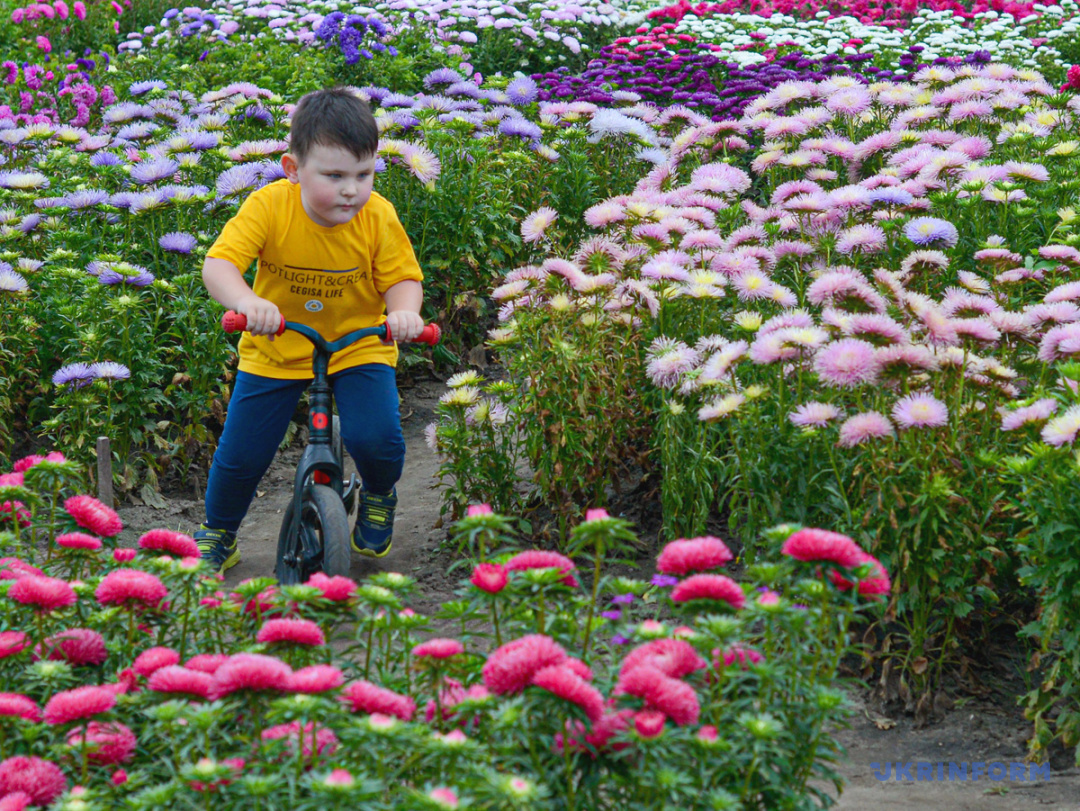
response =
{"points": [[135, 679]]}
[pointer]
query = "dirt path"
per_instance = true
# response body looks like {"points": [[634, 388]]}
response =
{"points": [[990, 732]]}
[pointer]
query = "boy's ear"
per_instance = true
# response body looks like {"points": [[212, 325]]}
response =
{"points": [[291, 167]]}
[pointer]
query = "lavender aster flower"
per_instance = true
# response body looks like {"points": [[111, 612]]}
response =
{"points": [[75, 375], [105, 159], [154, 170], [931, 231], [85, 199], [237, 180], [664, 580], [138, 88], [108, 370], [522, 90], [177, 242], [10, 281], [441, 76]]}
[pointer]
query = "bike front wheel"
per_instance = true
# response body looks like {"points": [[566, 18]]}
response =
{"points": [[319, 542]]}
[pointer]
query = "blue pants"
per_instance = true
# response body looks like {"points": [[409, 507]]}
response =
{"points": [[259, 412]]}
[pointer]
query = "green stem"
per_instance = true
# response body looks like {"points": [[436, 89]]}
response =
{"points": [[592, 603]]}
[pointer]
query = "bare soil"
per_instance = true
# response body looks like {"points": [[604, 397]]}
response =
{"points": [[990, 729]]}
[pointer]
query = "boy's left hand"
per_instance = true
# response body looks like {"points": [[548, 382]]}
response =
{"points": [[404, 325]]}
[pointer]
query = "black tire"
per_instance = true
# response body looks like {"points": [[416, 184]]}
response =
{"points": [[321, 542]]}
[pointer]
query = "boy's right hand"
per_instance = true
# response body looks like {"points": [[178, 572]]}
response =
{"points": [[263, 317]]}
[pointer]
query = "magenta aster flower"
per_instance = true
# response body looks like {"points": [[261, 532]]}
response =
{"points": [[43, 593], [864, 427], [91, 514], [675, 699], [295, 631], [316, 679], [41, 780], [542, 559], [716, 587], [489, 577], [672, 657], [16, 705], [74, 705], [438, 649], [251, 671], [172, 543], [154, 659], [78, 540], [811, 544], [76, 646], [509, 669], [920, 411], [107, 744], [336, 588], [684, 556], [737, 653], [875, 584], [563, 682], [182, 680], [128, 586], [363, 696]]}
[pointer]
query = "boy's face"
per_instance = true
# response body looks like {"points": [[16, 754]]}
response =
{"points": [[334, 183]]}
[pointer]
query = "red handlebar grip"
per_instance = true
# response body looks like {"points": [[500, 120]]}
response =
{"points": [[233, 321], [430, 335]]}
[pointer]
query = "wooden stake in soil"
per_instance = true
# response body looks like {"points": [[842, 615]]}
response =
{"points": [[104, 471]]}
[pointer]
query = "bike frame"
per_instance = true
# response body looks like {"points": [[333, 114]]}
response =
{"points": [[318, 463]]}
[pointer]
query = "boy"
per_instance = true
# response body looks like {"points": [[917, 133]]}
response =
{"points": [[332, 254]]}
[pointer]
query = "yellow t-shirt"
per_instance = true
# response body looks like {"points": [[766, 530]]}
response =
{"points": [[331, 279]]}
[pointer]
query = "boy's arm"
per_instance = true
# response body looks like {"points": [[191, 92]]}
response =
{"points": [[226, 285], [403, 303]]}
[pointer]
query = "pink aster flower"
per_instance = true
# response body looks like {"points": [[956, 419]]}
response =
{"points": [[14, 569], [863, 238], [569, 686], [847, 363], [715, 587], [864, 427], [649, 724], [325, 740], [510, 669], [920, 411], [294, 631], [489, 577], [876, 583], [737, 653], [534, 225], [124, 555], [1060, 342], [44, 593], [693, 555], [74, 705], [1062, 430], [1039, 411], [41, 780], [814, 415], [169, 542], [672, 657], [207, 662], [675, 699], [107, 744], [77, 646], [129, 586], [16, 705], [251, 671], [12, 642], [316, 679], [443, 797], [336, 588], [812, 544], [182, 680], [438, 649], [541, 559], [78, 540], [154, 659], [91, 514], [363, 696]]}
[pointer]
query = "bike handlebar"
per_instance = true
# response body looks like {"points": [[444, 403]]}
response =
{"points": [[233, 321]]}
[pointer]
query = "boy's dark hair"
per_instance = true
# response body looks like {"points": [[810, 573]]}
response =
{"points": [[333, 117]]}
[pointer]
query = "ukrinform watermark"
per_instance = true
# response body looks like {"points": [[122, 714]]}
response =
{"points": [[956, 772]]}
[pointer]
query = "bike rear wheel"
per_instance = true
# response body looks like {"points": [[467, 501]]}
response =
{"points": [[320, 541]]}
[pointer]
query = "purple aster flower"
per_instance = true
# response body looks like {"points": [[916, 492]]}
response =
{"points": [[619, 639], [75, 375], [29, 223], [136, 131], [397, 100], [521, 128], [177, 242], [237, 180], [664, 580], [623, 599], [138, 88], [105, 159], [925, 231], [152, 171], [85, 199], [615, 616], [467, 89], [522, 90], [441, 76], [108, 370]]}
